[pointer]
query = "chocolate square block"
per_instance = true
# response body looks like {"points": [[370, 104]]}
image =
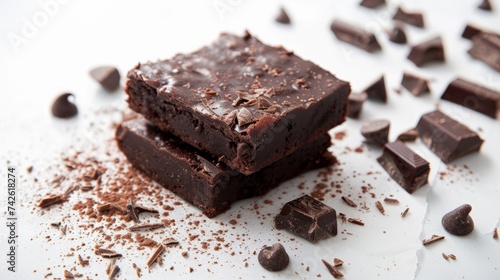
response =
{"points": [[242, 101], [203, 180]]}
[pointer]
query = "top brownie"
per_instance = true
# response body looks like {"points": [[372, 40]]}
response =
{"points": [[240, 100]]}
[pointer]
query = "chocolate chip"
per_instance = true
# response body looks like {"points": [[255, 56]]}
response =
{"points": [[376, 131], [458, 221], [397, 34], [377, 91], [63, 108], [274, 258], [485, 5], [107, 76], [283, 17], [356, 102], [372, 4], [428, 51]]}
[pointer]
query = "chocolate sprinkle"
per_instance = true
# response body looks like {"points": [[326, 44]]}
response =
{"points": [[140, 227], [458, 221], [63, 108], [274, 258], [405, 212]]}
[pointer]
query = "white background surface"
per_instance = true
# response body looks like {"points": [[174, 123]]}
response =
{"points": [[82, 34]]}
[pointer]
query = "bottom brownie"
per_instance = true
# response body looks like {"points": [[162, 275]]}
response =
{"points": [[199, 178]]}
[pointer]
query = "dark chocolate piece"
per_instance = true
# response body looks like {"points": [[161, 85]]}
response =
{"points": [[356, 101], [107, 76], [372, 4], [486, 47], [407, 168], [470, 31], [308, 218], [377, 91], [458, 221], [414, 84], [63, 108], [397, 34], [415, 19], [485, 5], [428, 51], [283, 17], [446, 137], [203, 180], [274, 258], [178, 96], [355, 36], [473, 96], [376, 132], [408, 136]]}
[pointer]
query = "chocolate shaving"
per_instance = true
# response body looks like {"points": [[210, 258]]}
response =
{"points": [[230, 117], [343, 218], [244, 117], [433, 239], [405, 212], [93, 175], [495, 233], [209, 91], [108, 207], [82, 262], [69, 190], [263, 103], [131, 210], [68, 274], [333, 270], [337, 262], [356, 221], [146, 226], [156, 254], [51, 200], [143, 209], [273, 109], [453, 257], [86, 188], [349, 202], [380, 207], [249, 103], [107, 253], [112, 269], [391, 200], [55, 224], [170, 241]]}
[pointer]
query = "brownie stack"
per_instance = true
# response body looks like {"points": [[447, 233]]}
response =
{"points": [[231, 120]]}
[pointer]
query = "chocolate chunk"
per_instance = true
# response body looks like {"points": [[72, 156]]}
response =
{"points": [[372, 4], [274, 258], [356, 101], [471, 31], [414, 84], [407, 168], [397, 34], [415, 19], [63, 108], [428, 51], [376, 132], [458, 221], [355, 36], [107, 76], [446, 137], [473, 96], [408, 136], [308, 218], [377, 90], [485, 5], [486, 47], [283, 17]]}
